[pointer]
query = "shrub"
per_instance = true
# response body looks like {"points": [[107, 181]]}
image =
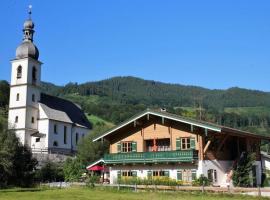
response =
{"points": [[202, 180], [91, 180], [49, 172], [149, 181]]}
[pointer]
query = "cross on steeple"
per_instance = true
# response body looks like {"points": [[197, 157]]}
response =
{"points": [[29, 11]]}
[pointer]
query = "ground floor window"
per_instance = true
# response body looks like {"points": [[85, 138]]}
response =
{"points": [[186, 175], [212, 175], [126, 173], [158, 173]]}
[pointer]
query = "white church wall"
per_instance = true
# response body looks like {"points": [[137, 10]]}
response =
{"points": [[14, 65], [59, 135], [33, 91], [22, 91], [42, 114], [43, 128], [31, 113], [81, 132], [21, 114]]}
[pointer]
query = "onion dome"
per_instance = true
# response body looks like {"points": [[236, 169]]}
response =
{"points": [[27, 48]]}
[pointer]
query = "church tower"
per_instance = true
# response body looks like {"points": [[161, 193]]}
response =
{"points": [[25, 86]]}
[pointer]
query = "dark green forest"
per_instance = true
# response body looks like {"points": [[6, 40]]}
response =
{"points": [[118, 98]]}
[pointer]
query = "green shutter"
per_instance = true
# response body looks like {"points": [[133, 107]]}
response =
{"points": [[134, 173], [149, 174], [179, 175], [134, 146], [119, 147], [192, 143], [194, 175], [167, 173], [118, 174], [178, 144]]}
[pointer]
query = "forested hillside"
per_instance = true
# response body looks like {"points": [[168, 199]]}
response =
{"points": [[116, 99]]}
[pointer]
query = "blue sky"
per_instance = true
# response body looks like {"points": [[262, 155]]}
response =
{"points": [[213, 44]]}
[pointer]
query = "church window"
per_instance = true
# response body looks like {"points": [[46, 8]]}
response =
{"points": [[33, 120], [55, 144], [55, 128], [65, 135], [77, 138], [18, 97], [33, 98], [19, 72], [34, 74], [16, 119]]}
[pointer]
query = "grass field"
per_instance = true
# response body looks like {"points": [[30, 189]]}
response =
{"points": [[106, 194]]}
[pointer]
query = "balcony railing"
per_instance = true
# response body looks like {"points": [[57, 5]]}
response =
{"points": [[152, 157]]}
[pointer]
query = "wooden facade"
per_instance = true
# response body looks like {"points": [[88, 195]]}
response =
{"points": [[156, 139]]}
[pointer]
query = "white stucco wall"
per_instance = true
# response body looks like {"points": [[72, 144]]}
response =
{"points": [[143, 169], [59, 136]]}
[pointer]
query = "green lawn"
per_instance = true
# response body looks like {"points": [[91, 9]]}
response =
{"points": [[107, 194]]}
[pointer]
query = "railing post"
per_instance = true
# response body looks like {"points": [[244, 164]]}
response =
{"points": [[203, 186], [259, 191]]}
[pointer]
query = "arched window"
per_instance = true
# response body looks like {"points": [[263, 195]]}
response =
{"points": [[34, 74], [19, 72], [55, 144]]}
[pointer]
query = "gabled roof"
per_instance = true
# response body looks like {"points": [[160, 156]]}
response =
{"points": [[198, 123], [63, 110]]}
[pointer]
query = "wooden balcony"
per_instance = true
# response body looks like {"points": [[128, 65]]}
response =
{"points": [[152, 157]]}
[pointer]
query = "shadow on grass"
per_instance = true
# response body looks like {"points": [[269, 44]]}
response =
{"points": [[22, 190]]}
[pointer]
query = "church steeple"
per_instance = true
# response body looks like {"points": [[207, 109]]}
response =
{"points": [[28, 27], [27, 48]]}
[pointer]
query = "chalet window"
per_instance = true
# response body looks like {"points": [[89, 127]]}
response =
{"points": [[34, 74], [55, 144], [186, 175], [65, 135], [212, 175], [127, 173], [18, 97], [19, 72], [33, 98], [160, 173], [33, 120], [185, 143], [77, 138], [16, 119], [126, 146], [55, 128], [37, 139]]}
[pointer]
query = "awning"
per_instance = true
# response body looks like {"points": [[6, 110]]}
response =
{"points": [[95, 168]]}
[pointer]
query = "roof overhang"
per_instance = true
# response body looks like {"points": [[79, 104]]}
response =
{"points": [[166, 115], [95, 163]]}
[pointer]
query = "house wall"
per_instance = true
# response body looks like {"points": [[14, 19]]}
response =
{"points": [[143, 169], [153, 131]]}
